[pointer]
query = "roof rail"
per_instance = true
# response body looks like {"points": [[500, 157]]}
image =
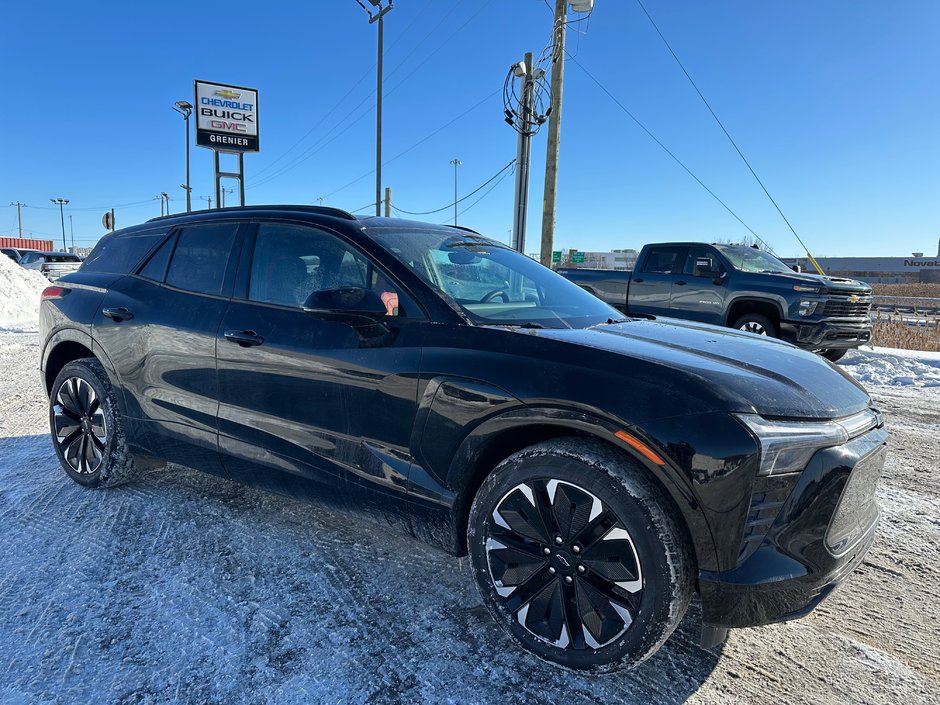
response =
{"points": [[321, 210]]}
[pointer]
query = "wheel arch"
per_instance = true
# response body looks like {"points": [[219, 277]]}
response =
{"points": [[500, 437], [65, 346], [765, 307]]}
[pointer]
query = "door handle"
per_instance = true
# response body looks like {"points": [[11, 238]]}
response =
{"points": [[245, 338], [681, 283], [117, 314], [638, 281]]}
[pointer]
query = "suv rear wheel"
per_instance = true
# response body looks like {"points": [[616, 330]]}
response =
{"points": [[86, 428], [580, 555]]}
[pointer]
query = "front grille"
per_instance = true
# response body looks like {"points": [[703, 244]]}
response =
{"points": [[843, 308], [857, 510]]}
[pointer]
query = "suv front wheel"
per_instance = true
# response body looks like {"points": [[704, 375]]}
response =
{"points": [[580, 555]]}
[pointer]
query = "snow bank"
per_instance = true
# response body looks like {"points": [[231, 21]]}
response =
{"points": [[19, 295], [893, 367]]}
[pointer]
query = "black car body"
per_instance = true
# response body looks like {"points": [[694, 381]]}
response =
{"points": [[402, 406], [740, 287]]}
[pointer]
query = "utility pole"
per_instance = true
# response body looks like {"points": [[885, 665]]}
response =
{"points": [[185, 109], [388, 201], [554, 133], [72, 232], [456, 162], [523, 71], [209, 199], [379, 17], [224, 191], [19, 217], [61, 202]]}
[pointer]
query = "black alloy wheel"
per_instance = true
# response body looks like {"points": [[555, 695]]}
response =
{"points": [[79, 425], [564, 564], [87, 433], [757, 324], [580, 554]]}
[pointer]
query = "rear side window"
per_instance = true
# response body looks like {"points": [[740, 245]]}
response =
{"points": [[201, 257], [155, 268], [664, 260], [122, 253]]}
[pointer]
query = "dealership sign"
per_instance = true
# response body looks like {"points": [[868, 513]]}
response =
{"points": [[226, 117]]}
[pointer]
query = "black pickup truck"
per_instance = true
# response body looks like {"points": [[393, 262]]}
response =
{"points": [[741, 287]]}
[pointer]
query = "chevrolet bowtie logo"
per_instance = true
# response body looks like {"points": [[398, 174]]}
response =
{"points": [[231, 95], [853, 299]]}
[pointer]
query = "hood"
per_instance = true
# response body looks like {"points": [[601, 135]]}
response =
{"points": [[836, 283], [736, 371]]}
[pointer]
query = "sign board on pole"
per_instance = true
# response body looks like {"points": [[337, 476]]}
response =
{"points": [[577, 257], [107, 220], [226, 117], [556, 256]]}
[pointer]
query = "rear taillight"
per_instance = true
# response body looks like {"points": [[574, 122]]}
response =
{"points": [[53, 292]]}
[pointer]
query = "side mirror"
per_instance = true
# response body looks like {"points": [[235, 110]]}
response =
{"points": [[796, 268], [346, 301]]}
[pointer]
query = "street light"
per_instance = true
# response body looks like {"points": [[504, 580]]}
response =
{"points": [[186, 109], [61, 202], [456, 163], [378, 17]]}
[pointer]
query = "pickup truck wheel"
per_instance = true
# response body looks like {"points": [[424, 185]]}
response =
{"points": [[757, 324], [580, 555], [86, 426], [834, 354]]}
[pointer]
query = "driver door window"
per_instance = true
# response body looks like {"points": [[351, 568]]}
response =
{"points": [[292, 263]]}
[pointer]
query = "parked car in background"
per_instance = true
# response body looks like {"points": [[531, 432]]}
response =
{"points": [[52, 264], [741, 287], [598, 468], [12, 253]]}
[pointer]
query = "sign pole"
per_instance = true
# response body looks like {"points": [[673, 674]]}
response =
{"points": [[241, 178]]}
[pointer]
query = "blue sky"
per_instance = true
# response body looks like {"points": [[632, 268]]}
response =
{"points": [[834, 103]]}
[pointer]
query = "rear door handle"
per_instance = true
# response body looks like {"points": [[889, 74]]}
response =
{"points": [[681, 283], [245, 338], [638, 281], [117, 314]]}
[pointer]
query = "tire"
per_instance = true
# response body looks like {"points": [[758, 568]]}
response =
{"points": [[834, 354], [638, 567], [757, 324], [86, 427]]}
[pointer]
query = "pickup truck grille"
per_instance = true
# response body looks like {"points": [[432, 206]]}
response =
{"points": [[843, 308]]}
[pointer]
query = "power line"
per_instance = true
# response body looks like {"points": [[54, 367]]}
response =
{"points": [[720, 124], [416, 144], [326, 139], [459, 200], [667, 150], [486, 193]]}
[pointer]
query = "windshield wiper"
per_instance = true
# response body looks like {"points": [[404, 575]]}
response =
{"points": [[612, 321], [526, 324]]}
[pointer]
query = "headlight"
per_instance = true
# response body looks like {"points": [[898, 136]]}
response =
{"points": [[807, 308], [787, 446], [807, 289]]}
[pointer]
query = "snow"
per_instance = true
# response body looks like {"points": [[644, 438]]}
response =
{"points": [[892, 367], [19, 295]]}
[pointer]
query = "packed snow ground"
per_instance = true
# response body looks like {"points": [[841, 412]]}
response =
{"points": [[186, 588]]}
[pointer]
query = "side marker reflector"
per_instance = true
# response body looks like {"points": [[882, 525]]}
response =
{"points": [[640, 447]]}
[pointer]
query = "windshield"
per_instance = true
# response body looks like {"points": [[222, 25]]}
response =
{"points": [[492, 283], [747, 259]]}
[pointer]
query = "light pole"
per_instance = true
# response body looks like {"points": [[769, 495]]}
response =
{"points": [[378, 17], [186, 109], [223, 192], [72, 232], [61, 202], [207, 199], [456, 162]]}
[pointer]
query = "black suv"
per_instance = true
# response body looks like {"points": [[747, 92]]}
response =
{"points": [[598, 469]]}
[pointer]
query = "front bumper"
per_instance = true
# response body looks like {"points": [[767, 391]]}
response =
{"points": [[796, 550], [826, 335]]}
